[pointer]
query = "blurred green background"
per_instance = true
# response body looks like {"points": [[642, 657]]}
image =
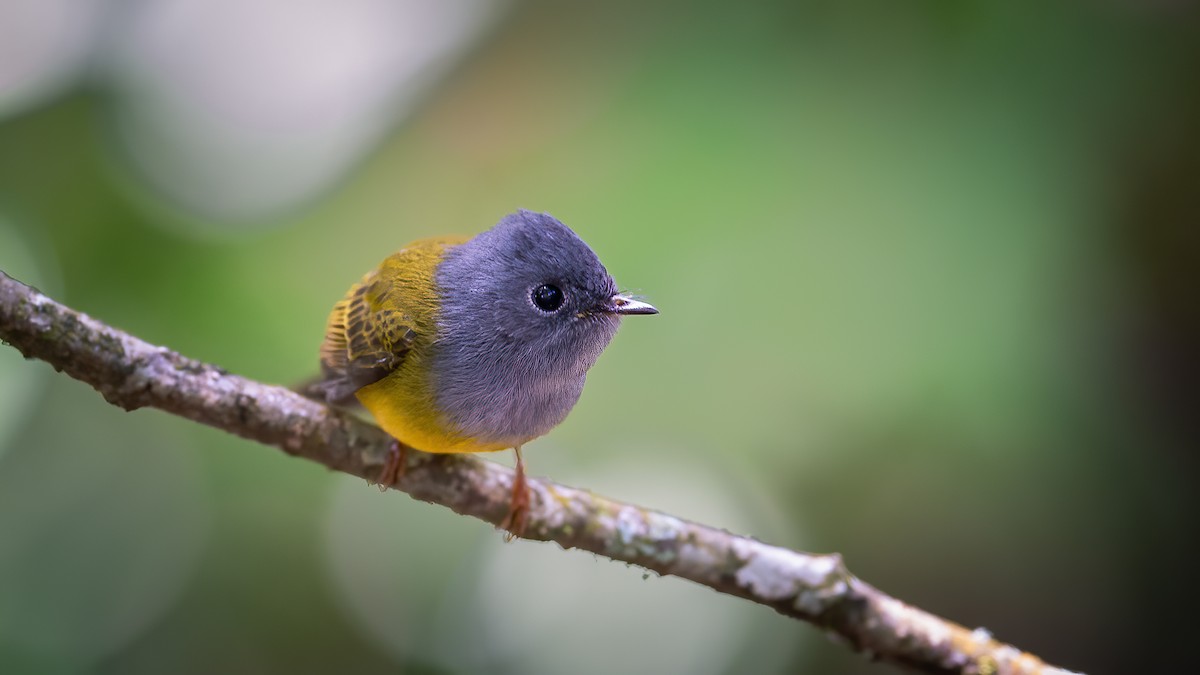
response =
{"points": [[928, 275]]}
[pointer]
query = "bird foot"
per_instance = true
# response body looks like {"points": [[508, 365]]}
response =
{"points": [[395, 466], [518, 507]]}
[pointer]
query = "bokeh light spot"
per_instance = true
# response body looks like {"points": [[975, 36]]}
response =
{"points": [[100, 532]]}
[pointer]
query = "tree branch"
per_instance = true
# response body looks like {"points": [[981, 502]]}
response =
{"points": [[819, 589]]}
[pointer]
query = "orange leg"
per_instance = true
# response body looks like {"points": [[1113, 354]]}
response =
{"points": [[518, 508], [393, 469]]}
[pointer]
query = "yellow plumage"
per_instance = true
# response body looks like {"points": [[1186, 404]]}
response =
{"points": [[509, 368], [377, 344]]}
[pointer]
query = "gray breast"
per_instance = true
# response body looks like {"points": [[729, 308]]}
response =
{"points": [[503, 396]]}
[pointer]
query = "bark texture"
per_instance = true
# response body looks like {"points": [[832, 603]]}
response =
{"points": [[132, 374]]}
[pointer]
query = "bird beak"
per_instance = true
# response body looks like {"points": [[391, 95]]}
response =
{"points": [[623, 304]]}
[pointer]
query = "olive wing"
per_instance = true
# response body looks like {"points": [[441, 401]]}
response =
{"points": [[365, 339]]}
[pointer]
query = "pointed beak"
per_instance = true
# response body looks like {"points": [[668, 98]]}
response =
{"points": [[623, 304]]}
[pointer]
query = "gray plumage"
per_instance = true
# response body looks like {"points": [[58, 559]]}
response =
{"points": [[505, 370]]}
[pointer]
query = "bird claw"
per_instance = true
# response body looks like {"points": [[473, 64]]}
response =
{"points": [[518, 507], [395, 466]]}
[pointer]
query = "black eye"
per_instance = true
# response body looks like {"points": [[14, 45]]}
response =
{"points": [[547, 297]]}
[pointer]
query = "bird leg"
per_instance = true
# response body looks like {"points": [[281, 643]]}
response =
{"points": [[394, 467], [518, 507]]}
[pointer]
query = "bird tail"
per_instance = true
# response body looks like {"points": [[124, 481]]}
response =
{"points": [[325, 390]]}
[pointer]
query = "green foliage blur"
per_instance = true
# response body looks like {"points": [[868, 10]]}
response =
{"points": [[928, 276]]}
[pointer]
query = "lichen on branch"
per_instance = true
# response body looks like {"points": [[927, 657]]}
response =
{"points": [[816, 588]]}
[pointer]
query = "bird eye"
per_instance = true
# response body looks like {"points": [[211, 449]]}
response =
{"points": [[547, 297]]}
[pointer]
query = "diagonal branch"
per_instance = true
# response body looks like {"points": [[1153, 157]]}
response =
{"points": [[132, 374]]}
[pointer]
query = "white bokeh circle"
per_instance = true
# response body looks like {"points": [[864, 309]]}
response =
{"points": [[44, 48], [428, 586], [540, 608], [103, 517], [242, 109]]}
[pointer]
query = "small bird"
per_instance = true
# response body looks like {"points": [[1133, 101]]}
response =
{"points": [[474, 345]]}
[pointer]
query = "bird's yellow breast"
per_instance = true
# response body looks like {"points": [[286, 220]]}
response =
{"points": [[403, 403]]}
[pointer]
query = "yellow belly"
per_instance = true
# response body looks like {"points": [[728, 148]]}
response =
{"points": [[403, 406]]}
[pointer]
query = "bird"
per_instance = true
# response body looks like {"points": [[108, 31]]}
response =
{"points": [[470, 345]]}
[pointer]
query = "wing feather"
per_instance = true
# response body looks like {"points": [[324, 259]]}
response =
{"points": [[364, 339]]}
